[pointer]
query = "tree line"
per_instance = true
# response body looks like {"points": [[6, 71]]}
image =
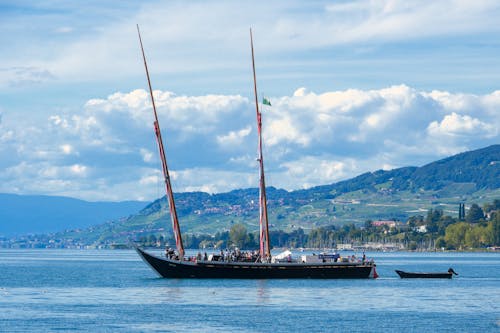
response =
{"points": [[479, 227]]}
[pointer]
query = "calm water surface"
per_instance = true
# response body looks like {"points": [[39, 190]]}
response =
{"points": [[114, 291]]}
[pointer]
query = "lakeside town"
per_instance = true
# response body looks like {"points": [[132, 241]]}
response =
{"points": [[477, 229]]}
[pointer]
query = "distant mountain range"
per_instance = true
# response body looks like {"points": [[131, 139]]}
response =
{"points": [[21, 214], [468, 177]]}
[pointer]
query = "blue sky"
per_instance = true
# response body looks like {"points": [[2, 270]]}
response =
{"points": [[356, 86]]}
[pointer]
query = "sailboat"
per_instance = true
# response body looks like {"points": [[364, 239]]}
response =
{"points": [[177, 265]]}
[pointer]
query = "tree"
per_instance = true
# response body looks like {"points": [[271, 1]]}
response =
{"points": [[477, 236], [316, 238], [455, 235], [461, 212], [368, 224], [238, 235], [444, 223], [440, 243], [495, 221], [475, 214], [412, 246], [489, 207], [433, 216], [415, 221], [252, 241]]}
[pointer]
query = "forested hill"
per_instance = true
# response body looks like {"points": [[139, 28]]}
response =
{"points": [[478, 168], [481, 167], [453, 179], [470, 177]]}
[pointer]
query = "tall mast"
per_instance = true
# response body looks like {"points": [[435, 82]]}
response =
{"points": [[168, 185], [265, 249]]}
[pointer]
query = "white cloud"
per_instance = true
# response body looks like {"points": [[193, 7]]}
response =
{"points": [[66, 149], [491, 102], [212, 180], [188, 114], [21, 76], [284, 129], [150, 179], [104, 149], [247, 161], [453, 102], [147, 155], [375, 117], [457, 125], [107, 149], [58, 121], [78, 169], [234, 138], [6, 136], [310, 171]]}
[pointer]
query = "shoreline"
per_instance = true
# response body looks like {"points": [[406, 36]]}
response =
{"points": [[278, 250]]}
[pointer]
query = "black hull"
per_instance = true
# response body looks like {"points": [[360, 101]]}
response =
{"points": [[238, 270], [409, 275]]}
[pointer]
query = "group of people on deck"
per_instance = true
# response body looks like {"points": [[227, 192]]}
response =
{"points": [[170, 254], [236, 255], [249, 256], [353, 258], [227, 255]]}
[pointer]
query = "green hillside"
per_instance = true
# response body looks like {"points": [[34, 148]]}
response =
{"points": [[471, 177]]}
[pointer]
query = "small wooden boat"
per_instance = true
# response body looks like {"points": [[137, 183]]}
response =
{"points": [[413, 275]]}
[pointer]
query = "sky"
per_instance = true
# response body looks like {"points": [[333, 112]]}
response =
{"points": [[355, 86]]}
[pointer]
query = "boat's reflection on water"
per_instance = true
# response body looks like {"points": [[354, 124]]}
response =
{"points": [[263, 291]]}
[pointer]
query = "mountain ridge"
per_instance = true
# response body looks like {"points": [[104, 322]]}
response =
{"points": [[22, 214], [381, 194]]}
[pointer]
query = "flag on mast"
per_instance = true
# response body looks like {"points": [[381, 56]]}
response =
{"points": [[266, 101]]}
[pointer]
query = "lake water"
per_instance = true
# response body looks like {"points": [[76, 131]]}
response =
{"points": [[114, 291]]}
